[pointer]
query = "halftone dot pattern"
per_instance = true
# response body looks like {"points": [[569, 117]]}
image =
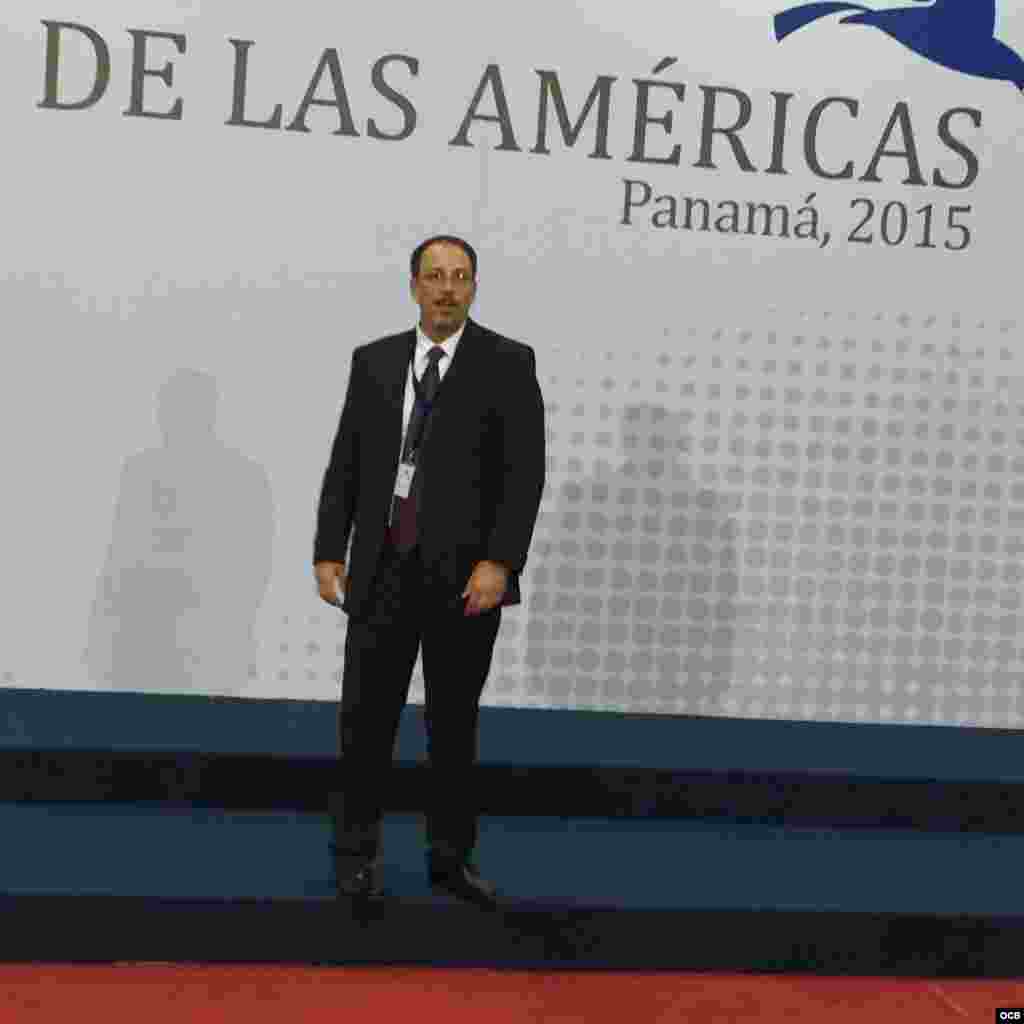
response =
{"points": [[812, 519]]}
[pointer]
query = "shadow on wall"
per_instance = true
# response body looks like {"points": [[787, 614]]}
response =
{"points": [[634, 598], [189, 560]]}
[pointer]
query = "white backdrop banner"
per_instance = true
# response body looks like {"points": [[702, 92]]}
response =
{"points": [[768, 258]]}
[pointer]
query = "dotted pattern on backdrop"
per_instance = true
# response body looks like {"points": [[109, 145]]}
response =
{"points": [[818, 518]]}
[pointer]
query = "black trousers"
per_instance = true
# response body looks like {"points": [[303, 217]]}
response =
{"points": [[408, 610]]}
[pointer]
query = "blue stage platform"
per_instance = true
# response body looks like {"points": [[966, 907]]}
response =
{"points": [[76, 720], [138, 827], [102, 882]]}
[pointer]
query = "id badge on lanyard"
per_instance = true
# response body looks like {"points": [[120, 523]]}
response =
{"points": [[404, 479]]}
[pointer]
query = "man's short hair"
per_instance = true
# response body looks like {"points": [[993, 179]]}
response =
{"points": [[417, 253]]}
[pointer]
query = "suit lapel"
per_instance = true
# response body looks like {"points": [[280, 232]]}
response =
{"points": [[467, 369], [395, 373]]}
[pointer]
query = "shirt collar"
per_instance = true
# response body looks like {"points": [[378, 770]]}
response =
{"points": [[424, 344]]}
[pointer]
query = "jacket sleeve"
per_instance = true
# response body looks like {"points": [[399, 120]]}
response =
{"points": [[341, 480], [523, 465]]}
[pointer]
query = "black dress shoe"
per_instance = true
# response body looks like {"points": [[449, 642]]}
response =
{"points": [[462, 879], [357, 882]]}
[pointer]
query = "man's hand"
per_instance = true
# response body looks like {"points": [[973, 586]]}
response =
{"points": [[486, 587], [331, 581]]}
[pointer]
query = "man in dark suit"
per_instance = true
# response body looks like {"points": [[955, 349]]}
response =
{"points": [[438, 463]]}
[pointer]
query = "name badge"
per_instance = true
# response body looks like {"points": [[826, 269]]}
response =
{"points": [[404, 479]]}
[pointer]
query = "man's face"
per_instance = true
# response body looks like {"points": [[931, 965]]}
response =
{"points": [[444, 289]]}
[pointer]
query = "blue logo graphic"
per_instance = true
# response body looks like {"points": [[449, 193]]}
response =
{"points": [[958, 34]]}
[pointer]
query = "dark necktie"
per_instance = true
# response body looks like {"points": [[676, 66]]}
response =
{"points": [[404, 529]]}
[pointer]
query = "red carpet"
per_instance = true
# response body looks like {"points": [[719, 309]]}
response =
{"points": [[157, 993]]}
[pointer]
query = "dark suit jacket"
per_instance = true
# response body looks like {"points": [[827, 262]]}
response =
{"points": [[483, 463]]}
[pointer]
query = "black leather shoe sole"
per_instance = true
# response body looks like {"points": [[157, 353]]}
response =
{"points": [[464, 883]]}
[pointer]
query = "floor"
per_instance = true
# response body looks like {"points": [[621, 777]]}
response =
{"points": [[203, 995]]}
